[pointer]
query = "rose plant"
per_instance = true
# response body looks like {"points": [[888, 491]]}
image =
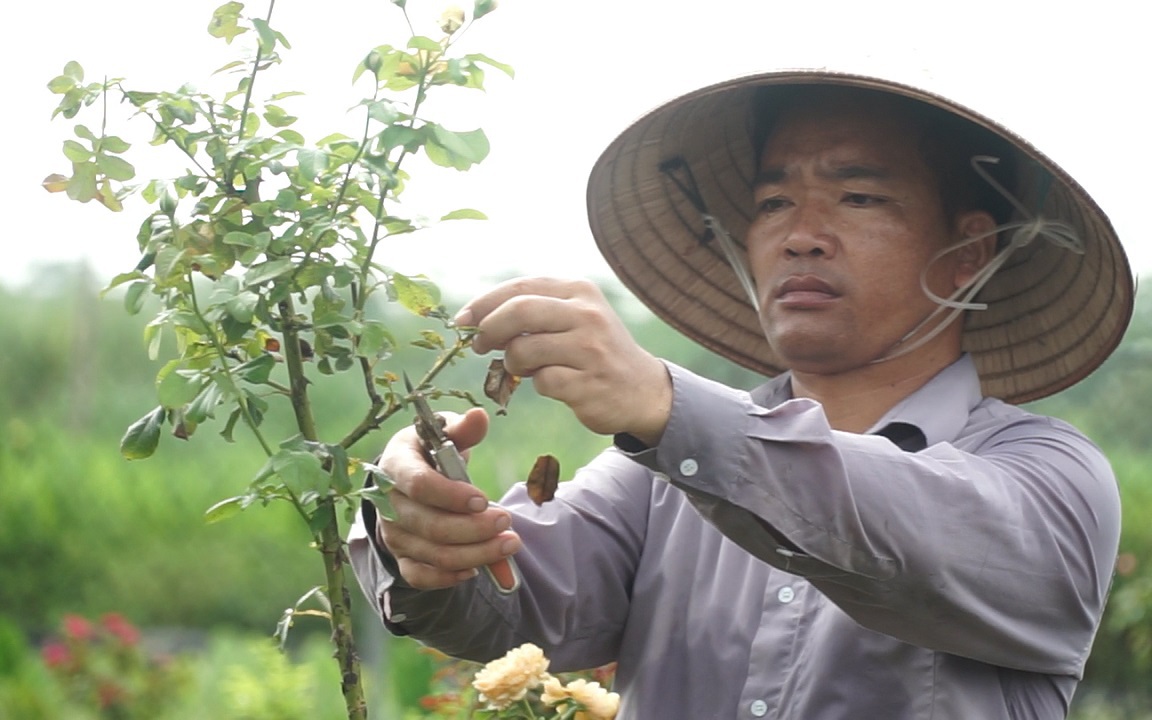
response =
{"points": [[263, 256], [518, 686], [102, 667]]}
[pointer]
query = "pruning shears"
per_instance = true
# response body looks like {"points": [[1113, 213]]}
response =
{"points": [[448, 460]]}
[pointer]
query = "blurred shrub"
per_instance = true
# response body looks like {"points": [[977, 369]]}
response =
{"points": [[83, 531]]}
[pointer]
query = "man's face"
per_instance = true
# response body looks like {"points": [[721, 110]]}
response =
{"points": [[848, 215]]}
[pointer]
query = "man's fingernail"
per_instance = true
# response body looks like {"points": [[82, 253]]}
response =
{"points": [[463, 318], [503, 523], [477, 504], [510, 546]]}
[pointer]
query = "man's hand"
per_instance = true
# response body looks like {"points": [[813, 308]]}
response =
{"points": [[444, 529], [565, 336]]}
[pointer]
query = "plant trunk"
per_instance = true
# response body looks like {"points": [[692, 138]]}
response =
{"points": [[331, 544], [332, 548]]}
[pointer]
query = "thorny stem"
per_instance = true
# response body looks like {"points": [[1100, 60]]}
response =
{"points": [[331, 544]]}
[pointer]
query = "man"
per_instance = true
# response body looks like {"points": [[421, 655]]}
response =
{"points": [[869, 534]]}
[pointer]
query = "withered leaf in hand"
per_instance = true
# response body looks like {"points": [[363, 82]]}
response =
{"points": [[499, 384], [543, 479]]}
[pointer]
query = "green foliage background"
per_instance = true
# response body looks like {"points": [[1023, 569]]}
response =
{"points": [[84, 531]]}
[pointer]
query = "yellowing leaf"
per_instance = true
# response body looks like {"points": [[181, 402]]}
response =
{"points": [[55, 183]]}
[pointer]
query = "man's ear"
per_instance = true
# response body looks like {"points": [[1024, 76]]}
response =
{"points": [[972, 257]]}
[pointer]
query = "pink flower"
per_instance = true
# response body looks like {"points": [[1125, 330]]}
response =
{"points": [[77, 628], [120, 628], [56, 655]]}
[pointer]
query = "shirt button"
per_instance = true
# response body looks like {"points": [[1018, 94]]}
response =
{"points": [[399, 618], [785, 594], [689, 467], [758, 708]]}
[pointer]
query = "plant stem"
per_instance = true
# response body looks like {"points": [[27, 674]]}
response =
{"points": [[331, 544], [332, 549], [372, 421]]}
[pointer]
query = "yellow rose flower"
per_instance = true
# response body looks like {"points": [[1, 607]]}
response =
{"points": [[451, 19], [508, 679], [597, 701]]}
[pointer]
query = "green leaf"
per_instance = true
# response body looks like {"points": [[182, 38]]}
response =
{"points": [[230, 66], [300, 470], [267, 35], [382, 111], [61, 84], [381, 497], [226, 509], [142, 436], [225, 22], [134, 298], [401, 136], [375, 340], [175, 388], [230, 426], [73, 70], [502, 67], [82, 185], [465, 214], [460, 150], [420, 42], [286, 199], [242, 307], [123, 278], [113, 144], [277, 117], [262, 273], [417, 294], [76, 152], [257, 370], [318, 521], [243, 239], [204, 405], [312, 162], [482, 8], [115, 168], [341, 482]]}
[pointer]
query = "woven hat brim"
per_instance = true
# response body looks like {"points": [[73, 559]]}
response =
{"points": [[1053, 315]]}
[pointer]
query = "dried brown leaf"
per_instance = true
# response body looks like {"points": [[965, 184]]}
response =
{"points": [[499, 384], [543, 479]]}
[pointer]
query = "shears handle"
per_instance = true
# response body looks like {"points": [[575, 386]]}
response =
{"points": [[503, 573]]}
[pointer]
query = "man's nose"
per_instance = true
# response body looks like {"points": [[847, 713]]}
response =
{"points": [[809, 233]]}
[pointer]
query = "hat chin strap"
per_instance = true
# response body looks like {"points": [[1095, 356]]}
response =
{"points": [[736, 258], [1058, 233]]}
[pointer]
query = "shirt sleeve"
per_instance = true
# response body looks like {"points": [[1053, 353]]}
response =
{"points": [[999, 546], [580, 552]]}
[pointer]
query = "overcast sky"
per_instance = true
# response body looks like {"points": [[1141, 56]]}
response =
{"points": [[1075, 84]]}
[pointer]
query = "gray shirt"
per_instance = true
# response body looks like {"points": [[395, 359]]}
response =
{"points": [[759, 564]]}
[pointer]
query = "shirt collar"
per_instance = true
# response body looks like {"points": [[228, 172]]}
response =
{"points": [[940, 408]]}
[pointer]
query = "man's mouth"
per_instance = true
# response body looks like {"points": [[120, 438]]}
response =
{"points": [[799, 290]]}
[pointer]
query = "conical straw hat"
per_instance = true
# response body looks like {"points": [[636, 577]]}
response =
{"points": [[1053, 315]]}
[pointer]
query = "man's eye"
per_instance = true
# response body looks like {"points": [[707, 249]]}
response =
{"points": [[772, 204], [863, 200]]}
